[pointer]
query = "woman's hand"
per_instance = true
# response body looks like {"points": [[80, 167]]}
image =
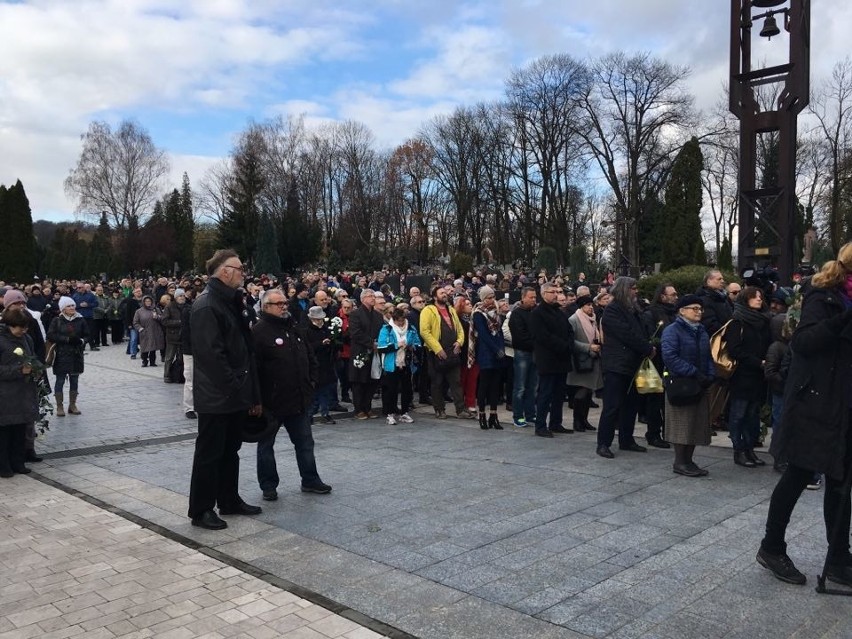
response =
{"points": [[26, 369]]}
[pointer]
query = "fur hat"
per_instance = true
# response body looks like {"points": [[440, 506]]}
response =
{"points": [[65, 302]]}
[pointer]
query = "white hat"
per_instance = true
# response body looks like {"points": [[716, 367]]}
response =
{"points": [[66, 301]]}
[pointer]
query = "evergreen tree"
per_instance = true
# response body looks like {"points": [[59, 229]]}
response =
{"points": [[238, 228], [299, 239], [100, 249], [267, 260], [682, 243], [185, 226], [18, 257], [725, 260], [67, 254], [652, 226]]}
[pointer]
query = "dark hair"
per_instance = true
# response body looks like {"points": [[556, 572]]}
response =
{"points": [[219, 258], [398, 313], [749, 293], [660, 291], [527, 289], [16, 317]]}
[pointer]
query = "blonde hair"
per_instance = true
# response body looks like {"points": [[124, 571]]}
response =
{"points": [[833, 272]]}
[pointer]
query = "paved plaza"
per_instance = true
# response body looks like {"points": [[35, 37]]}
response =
{"points": [[434, 529]]}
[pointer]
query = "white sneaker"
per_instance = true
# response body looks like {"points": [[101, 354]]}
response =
{"points": [[391, 420], [406, 418]]}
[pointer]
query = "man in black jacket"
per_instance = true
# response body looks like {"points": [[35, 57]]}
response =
{"points": [[526, 373], [659, 314], [287, 370], [718, 309], [224, 392], [553, 343], [186, 351]]}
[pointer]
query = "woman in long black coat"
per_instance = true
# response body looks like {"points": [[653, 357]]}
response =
{"points": [[816, 434], [70, 333]]}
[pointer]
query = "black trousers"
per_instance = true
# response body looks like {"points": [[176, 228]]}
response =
{"points": [[216, 464], [620, 403], [362, 395], [12, 447], [94, 336], [396, 387], [836, 508], [117, 328], [488, 388], [655, 406]]}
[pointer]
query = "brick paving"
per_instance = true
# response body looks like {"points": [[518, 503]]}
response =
{"points": [[442, 530]]}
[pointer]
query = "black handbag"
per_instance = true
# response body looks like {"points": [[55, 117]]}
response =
{"points": [[257, 428], [176, 370], [683, 391], [583, 363]]}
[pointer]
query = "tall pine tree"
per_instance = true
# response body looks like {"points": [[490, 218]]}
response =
{"points": [[267, 260], [18, 257], [299, 238], [100, 249], [185, 227], [682, 243], [238, 227]]}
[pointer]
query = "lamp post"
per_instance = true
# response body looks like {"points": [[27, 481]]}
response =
{"points": [[773, 205]]}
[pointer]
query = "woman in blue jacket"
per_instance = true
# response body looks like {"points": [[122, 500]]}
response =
{"points": [[397, 341], [487, 348], [686, 353]]}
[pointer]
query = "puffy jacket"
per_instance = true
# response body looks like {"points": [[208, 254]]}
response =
{"points": [[70, 336], [388, 345], [686, 352], [18, 393], [91, 303], [225, 377], [286, 366], [625, 343]]}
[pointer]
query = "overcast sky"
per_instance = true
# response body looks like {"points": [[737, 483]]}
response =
{"points": [[194, 72]]}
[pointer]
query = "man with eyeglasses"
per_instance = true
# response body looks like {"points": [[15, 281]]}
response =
{"points": [[718, 307], [225, 391], [287, 371]]}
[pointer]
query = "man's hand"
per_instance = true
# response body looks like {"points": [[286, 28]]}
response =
{"points": [[441, 354], [456, 348], [256, 411]]}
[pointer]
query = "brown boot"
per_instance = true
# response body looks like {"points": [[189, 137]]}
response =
{"points": [[72, 405], [60, 411]]}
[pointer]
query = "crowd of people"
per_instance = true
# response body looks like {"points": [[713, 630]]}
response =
{"points": [[292, 352]]}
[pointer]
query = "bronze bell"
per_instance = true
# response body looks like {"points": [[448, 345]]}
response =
{"points": [[770, 28]]}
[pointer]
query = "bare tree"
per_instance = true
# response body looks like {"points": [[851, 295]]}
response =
{"points": [[721, 168], [119, 172], [831, 104], [212, 192], [637, 114]]}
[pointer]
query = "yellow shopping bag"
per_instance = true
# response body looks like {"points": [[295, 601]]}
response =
{"points": [[647, 378]]}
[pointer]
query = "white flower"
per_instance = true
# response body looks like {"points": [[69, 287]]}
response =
{"points": [[19, 351], [336, 321]]}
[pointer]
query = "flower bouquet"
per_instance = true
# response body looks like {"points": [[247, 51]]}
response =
{"points": [[361, 360], [335, 330], [37, 375]]}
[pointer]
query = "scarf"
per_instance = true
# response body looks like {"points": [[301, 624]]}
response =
{"points": [[754, 318], [590, 326], [493, 321], [401, 335]]}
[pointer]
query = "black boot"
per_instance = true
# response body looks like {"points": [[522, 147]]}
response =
{"points": [[757, 461], [5, 466], [483, 423], [17, 444], [494, 423], [741, 459]]}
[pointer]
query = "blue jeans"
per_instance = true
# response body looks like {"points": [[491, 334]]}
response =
{"points": [[299, 429], [324, 397], [523, 391], [551, 395], [60, 383], [133, 344], [744, 423], [777, 407]]}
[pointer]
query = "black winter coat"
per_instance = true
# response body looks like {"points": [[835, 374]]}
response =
{"points": [[653, 315], [171, 321], [18, 394], [625, 342], [717, 309], [748, 345], [520, 326], [364, 327], [225, 377], [70, 337], [325, 353], [287, 370], [815, 420], [186, 328], [553, 339]]}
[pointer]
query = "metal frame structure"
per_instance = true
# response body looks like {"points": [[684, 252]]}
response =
{"points": [[774, 206]]}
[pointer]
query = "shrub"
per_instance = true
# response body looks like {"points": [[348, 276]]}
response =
{"points": [[460, 264], [686, 279]]}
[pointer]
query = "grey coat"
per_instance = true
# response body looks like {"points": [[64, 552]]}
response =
{"points": [[151, 336], [18, 394], [594, 378]]}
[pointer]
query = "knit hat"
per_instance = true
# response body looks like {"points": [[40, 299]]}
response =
{"points": [[485, 292], [179, 292], [689, 300], [66, 301], [316, 312], [583, 300], [13, 296]]}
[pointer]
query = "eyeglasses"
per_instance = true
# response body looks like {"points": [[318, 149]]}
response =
{"points": [[734, 293], [278, 304], [241, 268], [696, 309]]}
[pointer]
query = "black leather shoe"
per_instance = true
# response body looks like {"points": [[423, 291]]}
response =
{"points": [[741, 459], [589, 427], [270, 495], [337, 408], [21, 470], [754, 458], [209, 520], [240, 509], [543, 433], [191, 414], [594, 404], [659, 443], [32, 457], [560, 429], [319, 489], [634, 447], [839, 574], [604, 451], [685, 469]]}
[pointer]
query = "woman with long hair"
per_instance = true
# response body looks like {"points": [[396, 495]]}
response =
{"points": [[469, 368], [815, 435], [487, 348]]}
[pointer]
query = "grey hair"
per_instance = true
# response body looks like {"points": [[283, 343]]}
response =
{"points": [[710, 274], [621, 292], [548, 286], [265, 295], [366, 293]]}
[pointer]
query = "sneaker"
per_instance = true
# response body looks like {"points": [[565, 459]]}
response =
{"points": [[405, 418], [327, 419], [391, 420], [782, 567], [815, 484], [319, 489], [520, 423]]}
